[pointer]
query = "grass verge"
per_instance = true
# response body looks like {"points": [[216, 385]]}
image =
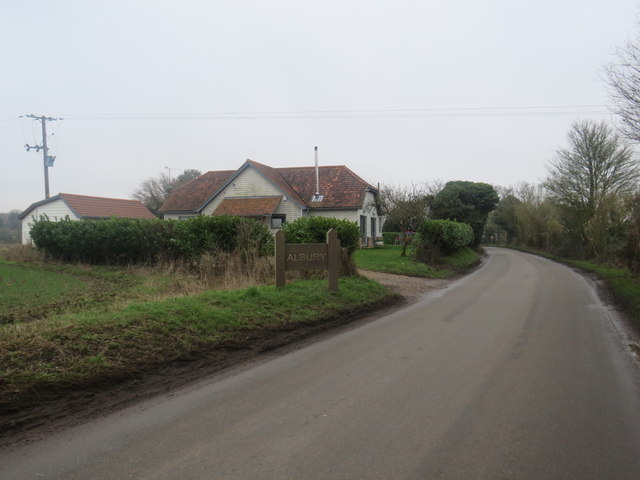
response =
{"points": [[45, 358], [387, 259], [623, 285]]}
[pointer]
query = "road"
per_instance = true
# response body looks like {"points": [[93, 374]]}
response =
{"points": [[517, 371]]}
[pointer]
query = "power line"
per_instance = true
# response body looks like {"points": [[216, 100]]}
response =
{"points": [[432, 112]]}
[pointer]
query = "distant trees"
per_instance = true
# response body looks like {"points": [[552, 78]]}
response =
{"points": [[10, 227], [155, 190], [466, 202]]}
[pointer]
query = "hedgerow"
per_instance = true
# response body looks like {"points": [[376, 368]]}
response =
{"points": [[141, 241]]}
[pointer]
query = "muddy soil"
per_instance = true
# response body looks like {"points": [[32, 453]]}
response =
{"points": [[76, 407]]}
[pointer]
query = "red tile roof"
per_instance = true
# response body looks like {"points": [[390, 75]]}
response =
{"points": [[195, 193], [248, 206], [99, 207], [339, 186]]}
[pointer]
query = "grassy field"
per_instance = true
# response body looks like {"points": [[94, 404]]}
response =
{"points": [[69, 327], [30, 291], [387, 259], [27, 291]]}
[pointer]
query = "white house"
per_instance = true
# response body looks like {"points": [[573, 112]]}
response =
{"points": [[278, 195], [79, 207]]}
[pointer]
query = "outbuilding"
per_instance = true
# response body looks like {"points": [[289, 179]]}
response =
{"points": [[80, 207]]}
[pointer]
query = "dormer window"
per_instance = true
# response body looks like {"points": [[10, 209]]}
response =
{"points": [[317, 198]]}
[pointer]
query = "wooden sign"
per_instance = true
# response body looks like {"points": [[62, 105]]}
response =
{"points": [[308, 256]]}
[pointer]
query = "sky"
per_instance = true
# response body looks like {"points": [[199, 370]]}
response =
{"points": [[402, 92]]}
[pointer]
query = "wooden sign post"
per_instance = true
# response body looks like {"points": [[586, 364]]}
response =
{"points": [[308, 256]]}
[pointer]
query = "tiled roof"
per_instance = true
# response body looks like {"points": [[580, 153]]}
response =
{"points": [[195, 193], [100, 207], [339, 186], [248, 206]]}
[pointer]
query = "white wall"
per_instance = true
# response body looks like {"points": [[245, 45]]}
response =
{"points": [[56, 210], [251, 183], [178, 216]]}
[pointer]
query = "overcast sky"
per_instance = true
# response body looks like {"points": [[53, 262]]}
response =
{"points": [[399, 91]]}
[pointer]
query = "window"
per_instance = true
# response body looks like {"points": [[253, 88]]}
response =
{"points": [[277, 221]]}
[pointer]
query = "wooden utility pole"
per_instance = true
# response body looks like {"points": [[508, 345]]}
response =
{"points": [[47, 160]]}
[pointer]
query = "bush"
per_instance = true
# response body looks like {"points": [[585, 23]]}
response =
{"points": [[390, 237], [129, 241], [441, 237]]}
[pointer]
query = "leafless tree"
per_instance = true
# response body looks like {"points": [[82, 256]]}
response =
{"points": [[154, 191], [583, 179], [623, 79], [405, 207]]}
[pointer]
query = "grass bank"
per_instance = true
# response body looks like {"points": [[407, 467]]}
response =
{"points": [[623, 285], [48, 357], [387, 259]]}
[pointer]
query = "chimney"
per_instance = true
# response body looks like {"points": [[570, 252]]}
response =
{"points": [[317, 197]]}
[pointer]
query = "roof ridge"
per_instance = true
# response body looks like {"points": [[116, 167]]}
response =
{"points": [[100, 198]]}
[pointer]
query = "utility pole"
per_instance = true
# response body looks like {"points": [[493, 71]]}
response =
{"points": [[47, 160]]}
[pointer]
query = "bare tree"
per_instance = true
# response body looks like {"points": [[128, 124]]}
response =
{"points": [[405, 207], [624, 88], [154, 191], [583, 178]]}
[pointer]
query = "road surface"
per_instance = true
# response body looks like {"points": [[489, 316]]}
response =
{"points": [[515, 372]]}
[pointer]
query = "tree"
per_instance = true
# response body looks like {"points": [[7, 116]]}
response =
{"points": [[505, 217], [466, 202], [154, 191], [589, 178], [624, 88], [404, 208]]}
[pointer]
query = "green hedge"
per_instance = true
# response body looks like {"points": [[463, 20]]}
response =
{"points": [[390, 237], [314, 230], [445, 236], [126, 241]]}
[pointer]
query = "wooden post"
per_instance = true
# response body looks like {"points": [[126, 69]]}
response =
{"points": [[333, 260], [280, 260]]}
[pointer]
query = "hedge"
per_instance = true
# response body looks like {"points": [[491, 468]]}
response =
{"points": [[314, 230], [129, 241], [445, 236]]}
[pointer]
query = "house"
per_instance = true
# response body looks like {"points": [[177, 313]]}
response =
{"points": [[278, 195], [80, 207]]}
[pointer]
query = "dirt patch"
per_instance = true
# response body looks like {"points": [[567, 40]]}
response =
{"points": [[411, 288], [71, 408]]}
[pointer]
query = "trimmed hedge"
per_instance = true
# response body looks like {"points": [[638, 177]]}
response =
{"points": [[445, 236], [128, 241], [314, 230]]}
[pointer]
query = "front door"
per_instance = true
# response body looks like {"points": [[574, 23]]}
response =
{"points": [[363, 230]]}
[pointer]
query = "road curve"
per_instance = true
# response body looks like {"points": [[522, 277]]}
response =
{"points": [[515, 372]]}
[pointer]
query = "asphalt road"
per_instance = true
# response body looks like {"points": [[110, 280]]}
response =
{"points": [[515, 372]]}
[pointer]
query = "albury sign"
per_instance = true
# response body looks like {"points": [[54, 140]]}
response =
{"points": [[308, 256]]}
